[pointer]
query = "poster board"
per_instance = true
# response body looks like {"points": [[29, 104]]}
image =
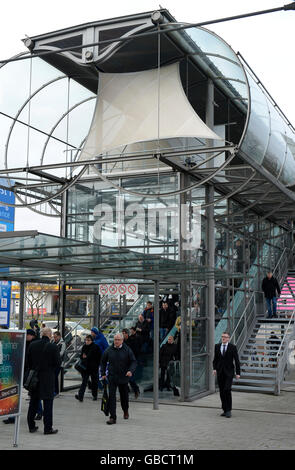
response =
{"points": [[12, 355]]}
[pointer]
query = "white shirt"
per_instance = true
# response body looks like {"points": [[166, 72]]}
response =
{"points": [[223, 351]]}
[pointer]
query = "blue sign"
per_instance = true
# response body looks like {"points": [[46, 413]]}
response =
{"points": [[6, 225], [5, 295], [6, 212]]}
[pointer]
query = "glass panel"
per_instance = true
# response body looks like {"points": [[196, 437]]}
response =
{"points": [[256, 139], [276, 150], [287, 175], [15, 80]]}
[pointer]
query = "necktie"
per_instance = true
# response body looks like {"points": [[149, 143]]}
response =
{"points": [[224, 348]]}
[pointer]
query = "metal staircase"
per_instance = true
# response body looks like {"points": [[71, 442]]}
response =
{"points": [[265, 352]]}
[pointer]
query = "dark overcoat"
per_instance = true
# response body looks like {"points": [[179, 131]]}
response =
{"points": [[47, 362]]}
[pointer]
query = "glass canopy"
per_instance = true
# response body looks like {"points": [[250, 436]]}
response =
{"points": [[30, 255]]}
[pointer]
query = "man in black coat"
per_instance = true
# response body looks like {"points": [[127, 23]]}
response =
{"points": [[167, 354], [133, 342], [143, 330], [167, 317], [44, 357], [90, 356], [271, 289], [121, 366], [226, 355]]}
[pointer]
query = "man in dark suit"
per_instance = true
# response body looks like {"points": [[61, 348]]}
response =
{"points": [[43, 356], [226, 355]]}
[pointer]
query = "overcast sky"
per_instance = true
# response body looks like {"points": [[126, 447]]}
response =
{"points": [[266, 42]]}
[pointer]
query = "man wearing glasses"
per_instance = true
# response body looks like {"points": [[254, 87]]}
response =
{"points": [[226, 360]]}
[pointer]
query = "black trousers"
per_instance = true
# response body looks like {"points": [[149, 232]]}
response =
{"points": [[124, 398], [163, 382], [225, 383], [47, 411], [94, 383]]}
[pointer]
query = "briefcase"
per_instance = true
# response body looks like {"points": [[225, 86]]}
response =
{"points": [[105, 401]]}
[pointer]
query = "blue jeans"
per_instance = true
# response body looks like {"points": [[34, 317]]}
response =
{"points": [[271, 307]]}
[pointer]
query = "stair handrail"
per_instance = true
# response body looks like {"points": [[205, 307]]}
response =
{"points": [[244, 314], [280, 360], [282, 272], [74, 327]]}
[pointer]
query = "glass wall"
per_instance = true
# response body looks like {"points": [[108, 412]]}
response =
{"points": [[270, 139]]}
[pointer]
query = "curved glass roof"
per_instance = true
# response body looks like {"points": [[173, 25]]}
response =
{"points": [[46, 112], [269, 139]]}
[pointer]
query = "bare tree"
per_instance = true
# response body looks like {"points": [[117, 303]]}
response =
{"points": [[36, 298]]}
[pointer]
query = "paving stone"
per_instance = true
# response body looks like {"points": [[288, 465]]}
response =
{"points": [[258, 422]]}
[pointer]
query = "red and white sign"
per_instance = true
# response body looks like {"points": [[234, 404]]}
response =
{"points": [[103, 289], [114, 290], [122, 289], [132, 288]]}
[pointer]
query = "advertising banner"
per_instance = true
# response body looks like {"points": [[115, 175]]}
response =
{"points": [[12, 353]]}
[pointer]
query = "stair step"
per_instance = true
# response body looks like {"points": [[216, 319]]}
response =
{"points": [[246, 374], [259, 339], [250, 358], [253, 381], [259, 369], [245, 388], [267, 322]]}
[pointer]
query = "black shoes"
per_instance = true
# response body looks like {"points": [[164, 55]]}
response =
{"points": [[227, 414], [111, 421], [126, 415], [34, 429], [51, 431], [38, 417], [78, 398], [9, 421], [176, 392]]}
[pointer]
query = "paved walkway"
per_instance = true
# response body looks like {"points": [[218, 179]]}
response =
{"points": [[259, 422]]}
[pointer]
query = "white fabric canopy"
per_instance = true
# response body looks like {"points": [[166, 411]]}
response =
{"points": [[127, 111]]}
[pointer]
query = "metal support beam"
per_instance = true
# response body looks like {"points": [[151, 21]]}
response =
{"points": [[156, 347], [211, 286], [21, 314], [210, 245]]}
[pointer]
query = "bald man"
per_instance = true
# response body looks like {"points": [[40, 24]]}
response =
{"points": [[43, 356]]}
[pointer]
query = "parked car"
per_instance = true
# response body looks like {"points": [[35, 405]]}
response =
{"points": [[13, 325]]}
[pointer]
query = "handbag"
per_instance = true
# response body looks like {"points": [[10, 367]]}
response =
{"points": [[32, 379], [105, 401], [80, 366]]}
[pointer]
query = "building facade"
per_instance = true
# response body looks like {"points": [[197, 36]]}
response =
{"points": [[141, 134]]}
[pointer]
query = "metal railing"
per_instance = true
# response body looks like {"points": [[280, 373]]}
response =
{"points": [[244, 326], [281, 267], [281, 356]]}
